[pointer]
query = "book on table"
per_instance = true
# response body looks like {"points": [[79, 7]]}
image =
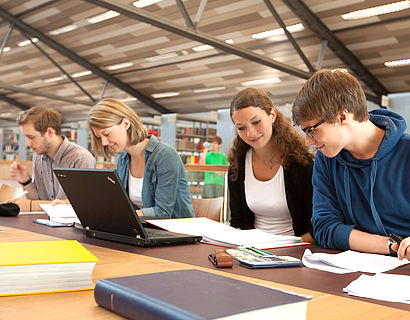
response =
{"points": [[217, 233], [60, 215], [45, 266], [195, 294]]}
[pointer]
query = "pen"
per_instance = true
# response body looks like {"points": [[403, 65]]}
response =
{"points": [[395, 238]]}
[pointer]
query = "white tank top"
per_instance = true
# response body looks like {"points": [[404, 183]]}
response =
{"points": [[267, 200], [135, 189]]}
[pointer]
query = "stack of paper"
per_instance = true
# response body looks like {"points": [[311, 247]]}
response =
{"points": [[351, 261], [387, 287], [213, 232]]}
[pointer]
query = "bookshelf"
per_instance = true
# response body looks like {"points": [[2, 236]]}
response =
{"points": [[187, 134], [13, 145]]}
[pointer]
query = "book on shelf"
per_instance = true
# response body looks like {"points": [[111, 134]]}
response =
{"points": [[195, 294], [60, 215], [217, 233], [45, 266]]}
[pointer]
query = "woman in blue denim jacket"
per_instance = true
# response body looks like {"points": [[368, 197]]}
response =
{"points": [[151, 171]]}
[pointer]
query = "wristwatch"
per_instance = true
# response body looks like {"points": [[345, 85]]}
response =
{"points": [[391, 251], [26, 182]]}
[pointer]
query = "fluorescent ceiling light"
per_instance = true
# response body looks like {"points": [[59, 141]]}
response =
{"points": [[27, 42], [120, 66], [55, 79], [165, 94], [260, 81], [129, 99], [5, 49], [207, 46], [397, 63], [375, 11], [208, 89], [202, 48], [162, 57], [81, 74], [64, 29], [144, 3], [278, 31], [103, 16]]}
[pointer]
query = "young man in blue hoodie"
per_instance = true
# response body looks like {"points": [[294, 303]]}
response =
{"points": [[361, 177]]}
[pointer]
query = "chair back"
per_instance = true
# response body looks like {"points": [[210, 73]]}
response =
{"points": [[208, 207]]}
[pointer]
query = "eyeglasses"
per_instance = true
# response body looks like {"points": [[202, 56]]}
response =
{"points": [[311, 132]]}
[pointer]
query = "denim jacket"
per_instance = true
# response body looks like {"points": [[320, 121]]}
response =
{"points": [[165, 191]]}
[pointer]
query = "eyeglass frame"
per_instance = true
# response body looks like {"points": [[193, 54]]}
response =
{"points": [[311, 130]]}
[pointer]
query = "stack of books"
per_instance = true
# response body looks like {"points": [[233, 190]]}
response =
{"points": [[45, 266]]}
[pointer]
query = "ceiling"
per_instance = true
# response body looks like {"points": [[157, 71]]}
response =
{"points": [[158, 43]]}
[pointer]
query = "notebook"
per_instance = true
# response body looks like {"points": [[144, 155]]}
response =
{"points": [[105, 211]]}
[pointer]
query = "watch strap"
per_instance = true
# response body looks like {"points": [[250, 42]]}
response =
{"points": [[26, 182]]}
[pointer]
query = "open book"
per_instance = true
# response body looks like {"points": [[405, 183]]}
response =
{"points": [[216, 233], [59, 215]]}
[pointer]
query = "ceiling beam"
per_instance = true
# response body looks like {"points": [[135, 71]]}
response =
{"points": [[14, 102], [46, 95], [337, 46], [81, 61], [289, 35], [185, 13], [157, 21], [60, 68]]}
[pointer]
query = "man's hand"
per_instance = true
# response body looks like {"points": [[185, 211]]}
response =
{"points": [[23, 203], [19, 172]]}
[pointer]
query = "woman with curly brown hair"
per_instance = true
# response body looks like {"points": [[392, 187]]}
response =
{"points": [[270, 169]]}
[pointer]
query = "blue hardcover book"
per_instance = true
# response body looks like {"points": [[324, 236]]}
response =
{"points": [[195, 294]]}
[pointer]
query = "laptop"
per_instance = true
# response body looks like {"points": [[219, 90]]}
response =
{"points": [[106, 212]]}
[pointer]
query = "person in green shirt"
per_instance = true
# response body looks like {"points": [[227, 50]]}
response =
{"points": [[213, 181]]}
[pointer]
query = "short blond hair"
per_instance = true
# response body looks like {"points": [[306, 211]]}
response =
{"points": [[110, 112]]}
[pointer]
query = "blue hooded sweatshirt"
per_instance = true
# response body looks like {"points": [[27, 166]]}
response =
{"points": [[371, 195]]}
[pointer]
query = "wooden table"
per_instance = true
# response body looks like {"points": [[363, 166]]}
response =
{"points": [[122, 260]]}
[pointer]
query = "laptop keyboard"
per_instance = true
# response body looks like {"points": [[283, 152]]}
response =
{"points": [[158, 233]]}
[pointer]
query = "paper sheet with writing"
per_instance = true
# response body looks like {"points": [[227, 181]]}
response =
{"points": [[351, 261], [221, 234], [381, 286]]}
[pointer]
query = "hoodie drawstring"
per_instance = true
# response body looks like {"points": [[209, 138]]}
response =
{"points": [[347, 192], [375, 214]]}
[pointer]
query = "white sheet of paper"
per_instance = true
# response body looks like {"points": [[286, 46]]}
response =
{"points": [[351, 261], [381, 286]]}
